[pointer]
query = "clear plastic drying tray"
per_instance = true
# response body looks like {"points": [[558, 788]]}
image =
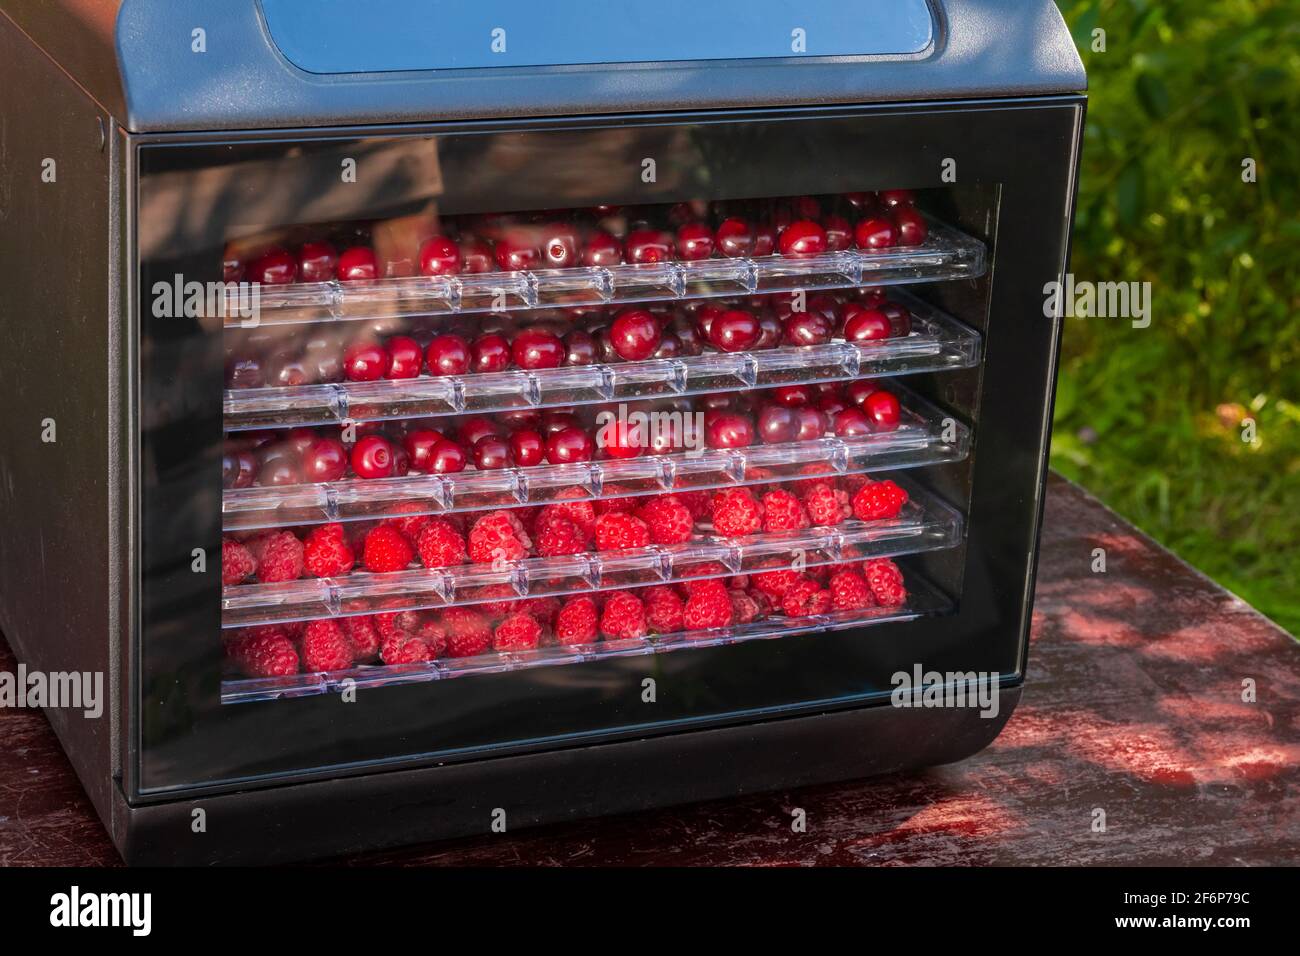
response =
{"points": [[923, 599], [924, 524], [936, 342], [924, 436], [945, 254]]}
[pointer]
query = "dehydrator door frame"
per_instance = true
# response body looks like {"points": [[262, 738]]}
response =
{"points": [[182, 739]]}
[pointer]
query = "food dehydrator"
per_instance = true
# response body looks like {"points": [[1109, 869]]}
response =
{"points": [[438, 419]]}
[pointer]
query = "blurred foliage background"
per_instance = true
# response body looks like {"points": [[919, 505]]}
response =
{"points": [[1154, 420]]}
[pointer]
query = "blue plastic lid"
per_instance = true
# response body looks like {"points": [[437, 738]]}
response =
{"points": [[374, 36]]}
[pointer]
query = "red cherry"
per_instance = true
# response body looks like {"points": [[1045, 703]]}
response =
{"points": [[812, 423], [852, 423], [866, 325], [517, 251], [279, 463], [839, 233], [912, 230], [491, 453], [527, 447], [791, 396], [357, 263], [872, 297], [688, 336], [238, 468], [373, 457], [579, 348], [635, 335], [366, 362], [728, 430], [245, 371], [602, 250], [648, 245], [769, 331], [325, 459], [803, 238], [764, 239], [858, 390], [830, 406], [273, 267], [778, 424], [476, 256], [694, 241], [735, 238], [569, 445], [401, 461], [537, 348], [807, 207], [419, 444], [317, 262], [883, 410], [808, 328], [553, 422], [861, 201], [446, 458], [874, 233], [900, 320], [439, 256], [734, 331], [407, 358], [893, 198], [618, 439], [490, 353], [517, 418], [559, 246], [472, 429], [448, 355], [705, 316]]}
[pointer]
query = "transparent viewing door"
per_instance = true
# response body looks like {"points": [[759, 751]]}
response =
{"points": [[486, 426]]}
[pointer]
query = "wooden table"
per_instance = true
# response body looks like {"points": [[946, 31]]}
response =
{"points": [[1133, 707]]}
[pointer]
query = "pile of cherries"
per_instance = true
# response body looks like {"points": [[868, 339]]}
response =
{"points": [[605, 236], [569, 338], [529, 438]]}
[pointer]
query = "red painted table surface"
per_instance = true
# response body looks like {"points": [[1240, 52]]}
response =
{"points": [[1133, 706]]}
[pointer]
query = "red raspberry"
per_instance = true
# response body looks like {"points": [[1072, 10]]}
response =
{"points": [[698, 503], [708, 606], [325, 647], [576, 622], [879, 499], [745, 609], [669, 520], [782, 511], [885, 581], [434, 635], [495, 600], [663, 610], [441, 545], [623, 617], [498, 537], [237, 562], [775, 584], [806, 598], [409, 525], [560, 536], [386, 549], [326, 553], [610, 506], [849, 592], [361, 633], [826, 506], [617, 530], [542, 609], [468, 632], [279, 557], [390, 624], [264, 652], [736, 513], [404, 648], [581, 513], [705, 569], [518, 632]]}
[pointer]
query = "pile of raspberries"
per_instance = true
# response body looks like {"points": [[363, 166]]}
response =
{"points": [[509, 623], [564, 527]]}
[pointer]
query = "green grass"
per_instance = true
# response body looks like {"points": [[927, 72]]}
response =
{"points": [[1151, 420]]}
